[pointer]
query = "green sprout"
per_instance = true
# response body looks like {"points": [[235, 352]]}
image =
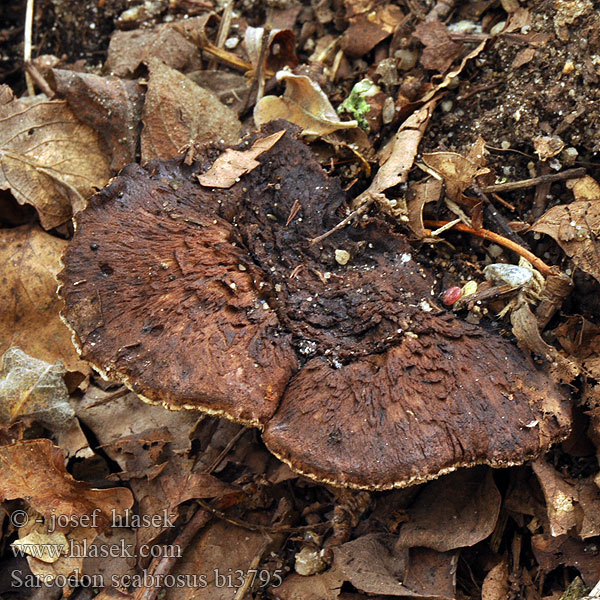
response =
{"points": [[357, 105]]}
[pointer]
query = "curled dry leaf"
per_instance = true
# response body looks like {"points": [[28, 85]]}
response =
{"points": [[440, 50], [368, 28], [61, 552], [397, 157], [33, 388], [459, 172], [581, 339], [49, 159], [178, 113], [169, 43], [456, 511], [34, 470], [576, 226], [375, 565], [110, 105], [303, 103], [232, 164], [219, 548], [29, 306], [280, 50]]}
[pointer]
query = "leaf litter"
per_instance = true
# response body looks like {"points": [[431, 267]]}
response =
{"points": [[439, 539]]}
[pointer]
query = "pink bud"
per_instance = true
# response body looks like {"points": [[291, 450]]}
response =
{"points": [[451, 295]]}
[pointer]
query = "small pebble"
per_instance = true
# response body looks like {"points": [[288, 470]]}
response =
{"points": [[512, 275], [342, 256]]}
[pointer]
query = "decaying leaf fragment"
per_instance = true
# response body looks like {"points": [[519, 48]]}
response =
{"points": [[303, 103], [34, 470], [458, 172], [33, 388], [224, 306], [232, 164], [29, 306], [369, 27], [49, 159], [110, 105], [576, 226], [177, 113]]}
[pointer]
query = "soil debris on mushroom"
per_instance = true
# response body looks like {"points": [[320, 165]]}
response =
{"points": [[215, 299]]}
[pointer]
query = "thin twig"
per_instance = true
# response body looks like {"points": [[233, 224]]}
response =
{"points": [[502, 201], [163, 565], [355, 213], [39, 80], [27, 44], [226, 450], [538, 263], [262, 528], [223, 33], [525, 183]]}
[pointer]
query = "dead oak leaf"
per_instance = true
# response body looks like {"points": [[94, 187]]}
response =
{"points": [[178, 112], [29, 305], [34, 470], [49, 159]]}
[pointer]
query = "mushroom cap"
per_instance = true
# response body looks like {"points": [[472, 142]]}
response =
{"points": [[216, 300]]}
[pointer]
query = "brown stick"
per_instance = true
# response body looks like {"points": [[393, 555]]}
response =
{"points": [[525, 183], [355, 213], [164, 565], [538, 263], [39, 80]]}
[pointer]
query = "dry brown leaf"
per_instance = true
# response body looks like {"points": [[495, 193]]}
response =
{"points": [[178, 113], [29, 306], [496, 584], [33, 388], [368, 28], [458, 172], [548, 146], [440, 50], [303, 103], [561, 496], [110, 105], [552, 552], [129, 49], [398, 156], [232, 164], [418, 195], [431, 574], [581, 339], [372, 564], [324, 586], [452, 512], [280, 50], [576, 229], [584, 188], [523, 57], [34, 470], [220, 548], [49, 159], [525, 328], [52, 554]]}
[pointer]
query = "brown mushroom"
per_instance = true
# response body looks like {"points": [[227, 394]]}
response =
{"points": [[216, 300]]}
